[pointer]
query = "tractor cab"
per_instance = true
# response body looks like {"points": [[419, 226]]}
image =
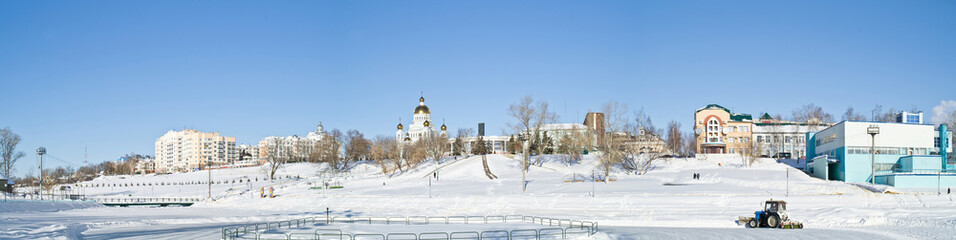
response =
{"points": [[775, 206]]}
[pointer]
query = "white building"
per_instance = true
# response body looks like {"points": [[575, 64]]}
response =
{"points": [[496, 144], [421, 125], [146, 166], [249, 156], [292, 143], [189, 150], [782, 139]]}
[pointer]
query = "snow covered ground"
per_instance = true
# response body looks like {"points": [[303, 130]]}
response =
{"points": [[666, 203]]}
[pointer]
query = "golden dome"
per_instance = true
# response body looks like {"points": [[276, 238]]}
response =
{"points": [[427, 123], [400, 126], [407, 138], [422, 109], [443, 127]]}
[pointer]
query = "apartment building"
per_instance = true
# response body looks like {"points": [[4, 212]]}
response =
{"points": [[191, 150]]}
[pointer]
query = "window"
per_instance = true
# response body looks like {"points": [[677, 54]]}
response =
{"points": [[713, 131], [787, 140], [759, 138], [746, 128], [912, 118]]}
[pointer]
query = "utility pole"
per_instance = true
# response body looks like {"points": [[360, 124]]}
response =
{"points": [[209, 169], [41, 151], [524, 166], [873, 130]]}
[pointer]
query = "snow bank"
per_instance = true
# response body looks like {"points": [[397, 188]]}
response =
{"points": [[43, 206]]}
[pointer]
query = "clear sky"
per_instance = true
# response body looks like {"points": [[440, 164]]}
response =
{"points": [[112, 76]]}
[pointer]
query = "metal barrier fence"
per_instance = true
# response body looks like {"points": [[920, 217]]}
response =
{"points": [[566, 227], [148, 200]]}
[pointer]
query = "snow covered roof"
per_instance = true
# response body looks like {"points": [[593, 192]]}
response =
{"points": [[2, 177], [713, 106]]}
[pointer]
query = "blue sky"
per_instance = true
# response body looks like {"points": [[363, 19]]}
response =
{"points": [[113, 76]]}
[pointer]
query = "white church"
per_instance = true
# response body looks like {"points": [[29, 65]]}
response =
{"points": [[420, 127]]}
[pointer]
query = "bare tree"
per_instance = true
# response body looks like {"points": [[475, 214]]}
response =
{"points": [[674, 141], [8, 151], [414, 154], [357, 148], [436, 146], [641, 150], [384, 150], [530, 116], [612, 145], [690, 144], [327, 150], [879, 116], [751, 153], [851, 115], [638, 161], [811, 113], [643, 121], [278, 154]]}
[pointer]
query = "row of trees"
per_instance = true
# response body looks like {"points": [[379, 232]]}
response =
{"points": [[340, 151], [811, 113], [622, 143]]}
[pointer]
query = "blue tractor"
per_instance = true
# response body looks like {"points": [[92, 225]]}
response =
{"points": [[774, 215]]}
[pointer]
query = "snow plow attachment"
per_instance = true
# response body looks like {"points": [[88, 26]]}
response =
{"points": [[791, 225]]}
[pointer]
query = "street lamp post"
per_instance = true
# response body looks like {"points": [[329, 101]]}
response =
{"points": [[524, 161], [873, 130], [209, 181], [41, 151]]}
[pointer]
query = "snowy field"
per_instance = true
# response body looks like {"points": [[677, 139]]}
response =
{"points": [[666, 203]]}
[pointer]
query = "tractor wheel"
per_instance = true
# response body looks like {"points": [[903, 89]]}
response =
{"points": [[773, 221], [752, 223]]}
